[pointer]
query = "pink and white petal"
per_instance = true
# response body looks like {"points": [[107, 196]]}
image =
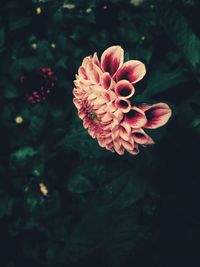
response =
{"points": [[127, 127], [95, 59], [123, 104], [136, 118], [92, 133], [141, 137], [127, 145], [120, 150], [76, 83], [77, 103], [106, 118], [157, 115], [92, 96], [107, 82], [101, 142], [124, 89], [108, 140], [106, 96], [124, 134], [99, 101], [135, 150], [111, 107], [112, 59], [117, 143], [118, 114], [101, 110], [132, 71], [82, 73], [86, 61], [86, 123], [144, 107], [93, 73]]}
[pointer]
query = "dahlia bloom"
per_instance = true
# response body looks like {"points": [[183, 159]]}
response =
{"points": [[103, 94]]}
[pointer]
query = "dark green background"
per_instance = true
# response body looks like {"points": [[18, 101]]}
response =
{"points": [[101, 209]]}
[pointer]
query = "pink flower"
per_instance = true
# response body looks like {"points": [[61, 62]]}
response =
{"points": [[103, 93]]}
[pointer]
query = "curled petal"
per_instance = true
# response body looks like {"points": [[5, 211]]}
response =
{"points": [[157, 115], [77, 103], [93, 73], [136, 118], [127, 145], [112, 59], [135, 149], [124, 134], [86, 61], [141, 137], [118, 115], [82, 73], [99, 101], [132, 70], [95, 60], [123, 104], [106, 118], [120, 150], [107, 82], [124, 89], [127, 127]]}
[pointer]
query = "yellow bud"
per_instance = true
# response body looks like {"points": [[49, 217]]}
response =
{"points": [[68, 6], [38, 10], [18, 119], [43, 189], [88, 10], [34, 46], [36, 173], [53, 45]]}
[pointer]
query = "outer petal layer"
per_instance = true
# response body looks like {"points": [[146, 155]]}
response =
{"points": [[112, 59], [136, 118], [157, 115], [132, 70]]}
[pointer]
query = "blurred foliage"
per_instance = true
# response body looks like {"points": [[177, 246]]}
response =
{"points": [[101, 209]]}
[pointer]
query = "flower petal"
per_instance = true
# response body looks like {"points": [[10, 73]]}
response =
{"points": [[135, 150], [124, 89], [112, 59], [136, 118], [95, 59], [157, 115], [132, 70], [118, 114], [107, 82], [124, 134], [123, 104], [120, 150], [141, 137], [127, 145]]}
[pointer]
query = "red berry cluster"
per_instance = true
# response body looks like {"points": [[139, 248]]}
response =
{"points": [[38, 84]]}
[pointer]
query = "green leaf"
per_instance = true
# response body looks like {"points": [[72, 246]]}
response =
{"points": [[179, 31], [23, 153], [36, 125], [79, 184]]}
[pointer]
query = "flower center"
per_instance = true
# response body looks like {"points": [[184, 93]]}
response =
{"points": [[92, 115]]}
